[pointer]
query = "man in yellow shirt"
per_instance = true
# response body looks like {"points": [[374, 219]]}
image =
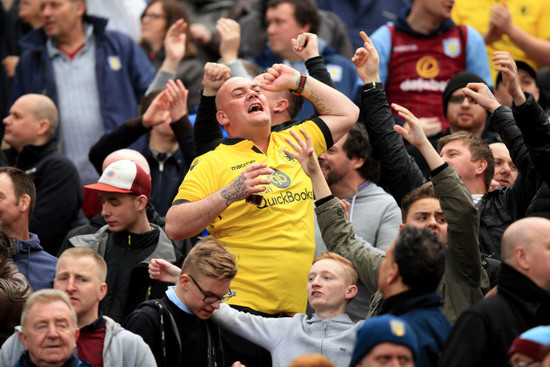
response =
{"points": [[517, 26]]}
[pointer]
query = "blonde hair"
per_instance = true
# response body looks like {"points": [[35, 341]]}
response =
{"points": [[80, 252], [311, 360], [347, 266], [46, 296], [211, 259]]}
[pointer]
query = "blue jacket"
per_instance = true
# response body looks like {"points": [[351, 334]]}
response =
{"points": [[341, 70], [431, 326], [36, 264], [119, 90], [73, 361]]}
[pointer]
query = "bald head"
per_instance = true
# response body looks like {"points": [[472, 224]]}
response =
{"points": [[129, 154], [44, 109], [523, 232], [228, 87], [32, 120], [526, 247]]}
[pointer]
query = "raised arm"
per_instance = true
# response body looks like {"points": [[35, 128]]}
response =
{"points": [[398, 170], [537, 49], [307, 49], [186, 219], [337, 232], [520, 194], [463, 262], [416, 136], [337, 111], [207, 132], [174, 46]]}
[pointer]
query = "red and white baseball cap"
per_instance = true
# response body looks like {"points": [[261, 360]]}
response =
{"points": [[124, 176]]}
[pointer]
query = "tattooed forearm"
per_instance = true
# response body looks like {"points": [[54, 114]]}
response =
{"points": [[318, 104], [235, 190]]}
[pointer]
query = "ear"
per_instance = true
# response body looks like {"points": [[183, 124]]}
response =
{"points": [[81, 7], [141, 202], [393, 274], [281, 105], [401, 226], [357, 162], [102, 291], [24, 203], [76, 334], [351, 292], [481, 166], [521, 258], [222, 118], [44, 126], [23, 339], [184, 281]]}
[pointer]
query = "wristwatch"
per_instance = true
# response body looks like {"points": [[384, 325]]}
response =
{"points": [[372, 85]]}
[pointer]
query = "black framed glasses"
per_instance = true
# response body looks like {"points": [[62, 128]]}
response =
{"points": [[212, 298]]}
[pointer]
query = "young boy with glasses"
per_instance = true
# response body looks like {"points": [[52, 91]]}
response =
{"points": [[177, 327]]}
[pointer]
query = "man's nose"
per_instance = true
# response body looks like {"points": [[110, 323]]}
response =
{"points": [[52, 331]]}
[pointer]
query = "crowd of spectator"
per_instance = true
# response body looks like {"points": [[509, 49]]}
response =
{"points": [[284, 183]]}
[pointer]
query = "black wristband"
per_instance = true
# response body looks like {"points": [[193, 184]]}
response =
{"points": [[301, 84], [321, 201], [372, 85]]}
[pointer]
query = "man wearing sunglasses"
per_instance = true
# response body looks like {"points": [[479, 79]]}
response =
{"points": [[177, 327]]}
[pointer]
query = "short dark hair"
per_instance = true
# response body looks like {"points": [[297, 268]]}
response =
{"points": [[305, 12], [358, 145], [147, 100], [22, 184], [295, 104], [6, 250], [420, 256], [425, 191], [479, 149]]}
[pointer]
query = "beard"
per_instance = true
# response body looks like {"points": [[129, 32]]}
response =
{"points": [[332, 177]]}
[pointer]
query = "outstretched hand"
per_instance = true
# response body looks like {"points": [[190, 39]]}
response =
{"points": [[214, 76], [160, 269], [174, 41], [501, 18], [177, 95], [415, 134], [230, 38], [158, 111], [247, 183], [481, 94], [303, 152], [510, 78], [367, 61], [305, 46]]}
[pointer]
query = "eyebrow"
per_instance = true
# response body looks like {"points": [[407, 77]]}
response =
{"points": [[237, 89], [439, 212]]}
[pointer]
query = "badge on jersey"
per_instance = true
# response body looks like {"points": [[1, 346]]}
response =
{"points": [[451, 47], [335, 72], [114, 63]]}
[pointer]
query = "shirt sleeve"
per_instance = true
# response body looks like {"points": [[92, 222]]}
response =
{"points": [[381, 39], [476, 56], [200, 180]]}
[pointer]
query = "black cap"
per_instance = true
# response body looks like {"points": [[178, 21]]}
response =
{"points": [[521, 65], [460, 80]]}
